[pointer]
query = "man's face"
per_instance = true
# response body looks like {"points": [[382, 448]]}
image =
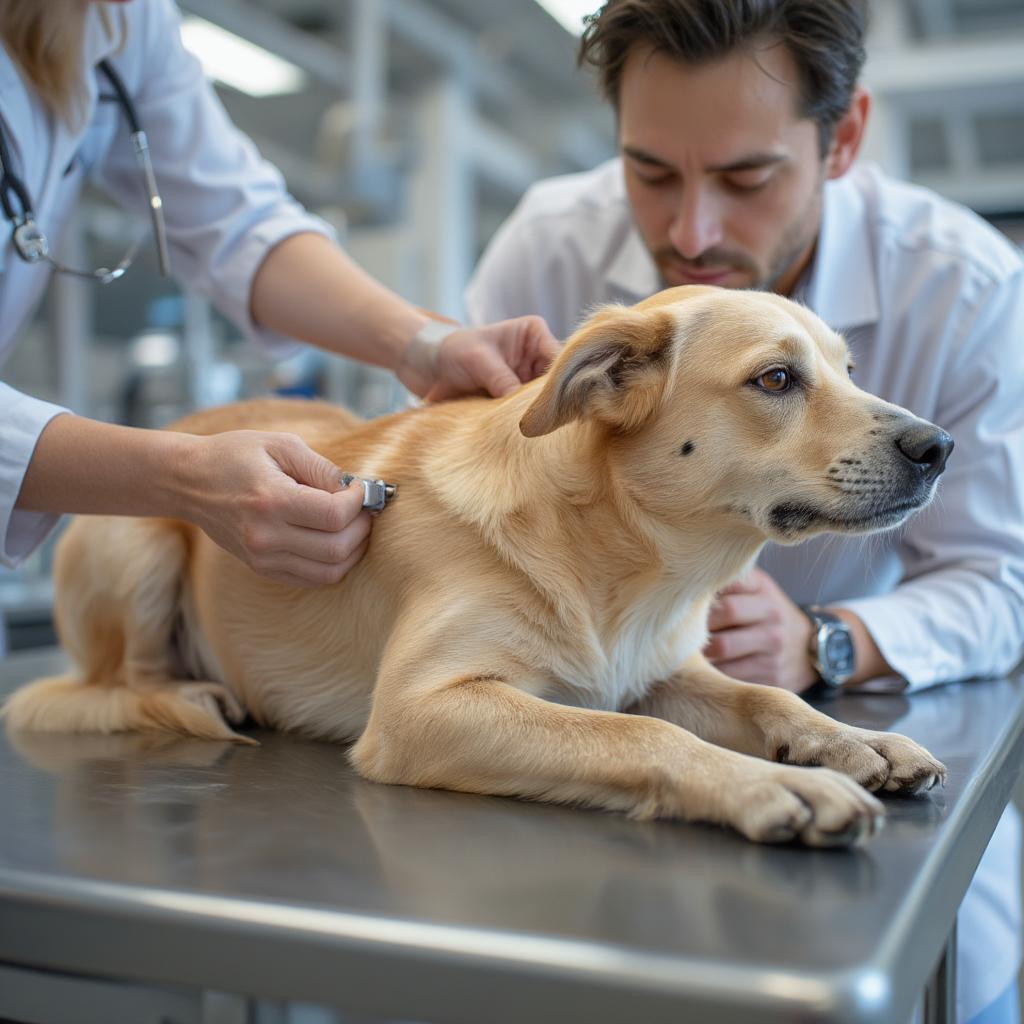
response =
{"points": [[723, 176]]}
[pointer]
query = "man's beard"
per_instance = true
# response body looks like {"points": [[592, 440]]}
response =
{"points": [[796, 245]]}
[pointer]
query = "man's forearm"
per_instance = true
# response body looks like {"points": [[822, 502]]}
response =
{"points": [[307, 288]]}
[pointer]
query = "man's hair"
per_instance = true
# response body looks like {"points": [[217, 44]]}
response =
{"points": [[824, 37]]}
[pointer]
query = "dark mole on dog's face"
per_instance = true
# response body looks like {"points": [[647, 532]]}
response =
{"points": [[687, 448]]}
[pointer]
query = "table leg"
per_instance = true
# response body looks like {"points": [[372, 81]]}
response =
{"points": [[940, 992]]}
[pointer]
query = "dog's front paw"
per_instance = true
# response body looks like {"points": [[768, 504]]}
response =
{"points": [[911, 768], [816, 806], [877, 760]]}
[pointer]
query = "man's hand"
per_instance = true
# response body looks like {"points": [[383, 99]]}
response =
{"points": [[492, 360], [759, 635]]}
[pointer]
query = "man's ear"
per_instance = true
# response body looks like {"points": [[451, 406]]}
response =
{"points": [[614, 369], [848, 134]]}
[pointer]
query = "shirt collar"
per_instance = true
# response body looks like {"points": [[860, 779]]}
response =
{"points": [[633, 274], [99, 43], [840, 285]]}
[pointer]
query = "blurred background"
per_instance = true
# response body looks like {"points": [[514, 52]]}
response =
{"points": [[414, 126]]}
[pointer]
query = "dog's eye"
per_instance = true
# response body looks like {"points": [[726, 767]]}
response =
{"points": [[775, 380]]}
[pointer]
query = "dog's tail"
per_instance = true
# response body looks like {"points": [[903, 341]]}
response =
{"points": [[68, 704], [119, 584]]}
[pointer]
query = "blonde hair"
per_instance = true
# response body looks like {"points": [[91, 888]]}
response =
{"points": [[45, 38]]}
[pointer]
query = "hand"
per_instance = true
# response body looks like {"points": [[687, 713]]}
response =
{"points": [[494, 359], [759, 635], [272, 501]]}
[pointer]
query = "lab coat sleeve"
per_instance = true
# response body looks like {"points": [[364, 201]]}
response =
{"points": [[225, 207], [22, 420], [959, 611]]}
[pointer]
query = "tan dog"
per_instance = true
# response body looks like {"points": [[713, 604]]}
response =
{"points": [[529, 617]]}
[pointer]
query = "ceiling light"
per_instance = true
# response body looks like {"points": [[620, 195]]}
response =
{"points": [[570, 12], [236, 62]]}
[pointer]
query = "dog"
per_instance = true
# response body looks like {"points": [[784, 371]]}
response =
{"points": [[529, 618]]}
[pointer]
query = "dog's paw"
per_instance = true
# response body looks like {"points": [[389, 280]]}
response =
{"points": [[816, 806], [877, 760], [911, 768], [215, 699]]}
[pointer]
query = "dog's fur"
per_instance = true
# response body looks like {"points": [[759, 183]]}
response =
{"points": [[529, 617]]}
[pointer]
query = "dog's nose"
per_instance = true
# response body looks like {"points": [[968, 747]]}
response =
{"points": [[927, 447]]}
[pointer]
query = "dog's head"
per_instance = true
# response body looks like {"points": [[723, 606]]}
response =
{"points": [[739, 405]]}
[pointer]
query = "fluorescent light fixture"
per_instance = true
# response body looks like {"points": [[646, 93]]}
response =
{"points": [[235, 61], [570, 12]]}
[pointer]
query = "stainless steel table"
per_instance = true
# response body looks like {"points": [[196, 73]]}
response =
{"points": [[137, 868]]}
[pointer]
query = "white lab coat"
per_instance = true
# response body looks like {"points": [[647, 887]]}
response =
{"points": [[225, 207], [931, 300]]}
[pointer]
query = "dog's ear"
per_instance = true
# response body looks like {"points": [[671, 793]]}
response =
{"points": [[614, 370]]}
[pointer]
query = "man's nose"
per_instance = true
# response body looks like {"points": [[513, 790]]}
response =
{"points": [[927, 447], [696, 226]]}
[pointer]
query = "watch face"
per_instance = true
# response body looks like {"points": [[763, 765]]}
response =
{"points": [[838, 653]]}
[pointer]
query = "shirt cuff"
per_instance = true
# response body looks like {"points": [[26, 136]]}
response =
{"points": [[234, 279], [913, 668], [24, 418]]}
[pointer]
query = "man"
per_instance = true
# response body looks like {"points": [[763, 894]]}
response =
{"points": [[739, 125]]}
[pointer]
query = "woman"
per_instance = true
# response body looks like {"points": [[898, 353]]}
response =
{"points": [[234, 234]]}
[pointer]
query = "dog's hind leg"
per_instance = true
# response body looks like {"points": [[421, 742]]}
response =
{"points": [[118, 585]]}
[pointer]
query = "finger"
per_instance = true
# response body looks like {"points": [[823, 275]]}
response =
{"points": [[490, 370], [445, 389], [540, 349], [302, 572], [747, 670], [322, 546], [730, 644], [739, 609], [749, 583], [543, 360], [306, 466], [318, 510]]}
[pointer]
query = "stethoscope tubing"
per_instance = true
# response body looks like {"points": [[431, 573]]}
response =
{"points": [[11, 183]]}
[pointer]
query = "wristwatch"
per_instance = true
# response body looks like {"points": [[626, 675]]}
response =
{"points": [[832, 653]]}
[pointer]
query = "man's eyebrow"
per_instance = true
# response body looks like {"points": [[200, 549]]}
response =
{"points": [[643, 157], [752, 162]]}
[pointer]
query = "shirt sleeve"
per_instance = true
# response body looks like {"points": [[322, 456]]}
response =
{"points": [[225, 207], [959, 611], [22, 420]]}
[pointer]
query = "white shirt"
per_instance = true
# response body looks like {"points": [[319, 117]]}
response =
{"points": [[225, 207], [931, 300]]}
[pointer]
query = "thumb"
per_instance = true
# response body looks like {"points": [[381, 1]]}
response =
{"points": [[306, 466], [496, 375]]}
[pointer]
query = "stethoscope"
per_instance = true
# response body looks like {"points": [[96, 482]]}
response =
{"points": [[29, 240]]}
